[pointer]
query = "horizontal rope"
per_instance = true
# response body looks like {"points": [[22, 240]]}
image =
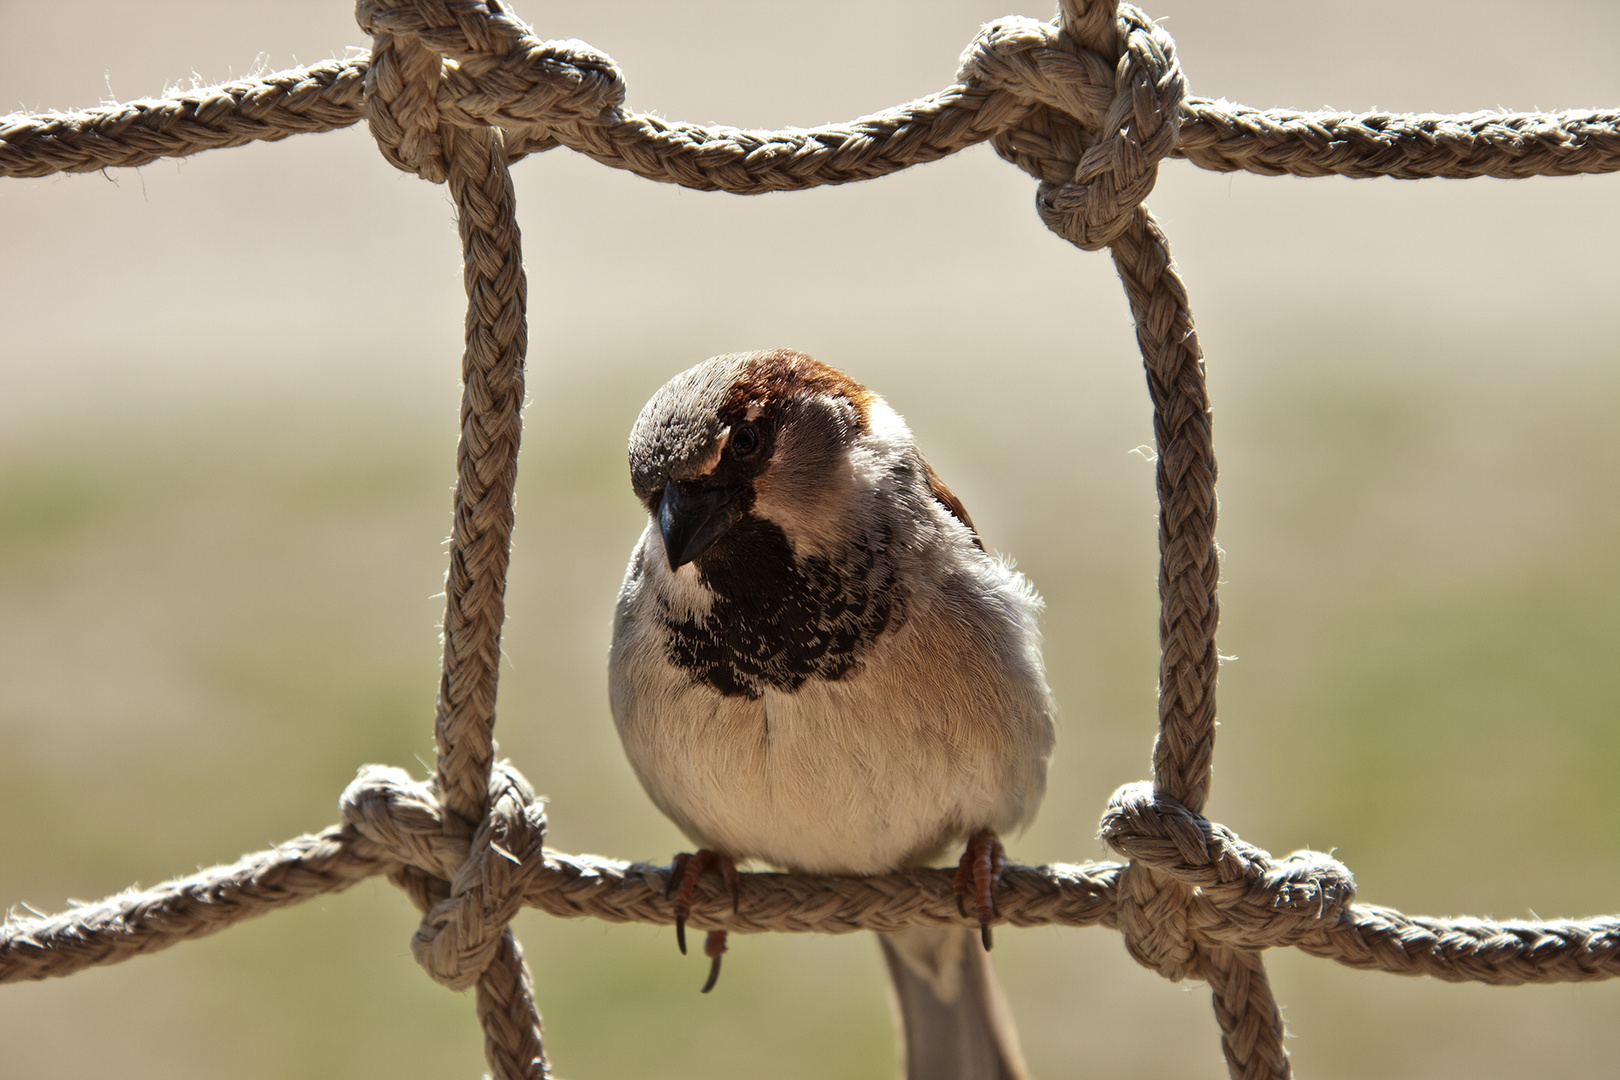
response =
{"points": [[139, 921], [322, 97], [1214, 135], [136, 922]]}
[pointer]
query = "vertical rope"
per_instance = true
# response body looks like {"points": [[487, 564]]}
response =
{"points": [[401, 104], [1185, 477], [509, 1016], [1251, 1023], [486, 464], [1153, 906], [480, 546]]}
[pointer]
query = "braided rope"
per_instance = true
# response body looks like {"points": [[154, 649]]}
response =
{"points": [[1215, 134], [581, 886], [464, 938], [139, 921], [1114, 166], [1088, 104]]}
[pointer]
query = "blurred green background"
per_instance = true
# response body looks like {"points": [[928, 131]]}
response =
{"points": [[227, 419]]}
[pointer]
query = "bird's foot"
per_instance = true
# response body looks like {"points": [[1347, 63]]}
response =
{"points": [[683, 879], [977, 876]]}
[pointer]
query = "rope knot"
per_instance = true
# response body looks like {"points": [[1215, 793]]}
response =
{"points": [[1244, 897], [437, 65], [1105, 97], [469, 881]]}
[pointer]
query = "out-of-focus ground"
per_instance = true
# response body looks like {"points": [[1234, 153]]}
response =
{"points": [[227, 420]]}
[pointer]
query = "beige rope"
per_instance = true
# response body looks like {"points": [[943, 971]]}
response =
{"points": [[1214, 135], [1089, 105], [139, 921], [464, 938], [574, 886], [1094, 174]]}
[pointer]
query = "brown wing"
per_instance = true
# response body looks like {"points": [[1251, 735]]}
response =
{"points": [[950, 502]]}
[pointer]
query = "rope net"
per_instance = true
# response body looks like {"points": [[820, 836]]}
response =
{"points": [[455, 91]]}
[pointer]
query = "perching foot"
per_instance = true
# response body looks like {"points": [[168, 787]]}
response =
{"points": [[683, 879], [977, 876]]}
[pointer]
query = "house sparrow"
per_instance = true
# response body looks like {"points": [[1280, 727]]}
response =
{"points": [[815, 664]]}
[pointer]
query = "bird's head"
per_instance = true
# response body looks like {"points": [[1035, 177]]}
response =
{"points": [[766, 435]]}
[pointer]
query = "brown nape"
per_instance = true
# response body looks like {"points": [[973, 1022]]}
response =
{"points": [[775, 376], [944, 496]]}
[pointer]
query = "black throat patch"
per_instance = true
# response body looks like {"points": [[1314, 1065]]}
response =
{"points": [[777, 621]]}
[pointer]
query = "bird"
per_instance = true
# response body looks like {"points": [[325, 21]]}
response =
{"points": [[816, 665]]}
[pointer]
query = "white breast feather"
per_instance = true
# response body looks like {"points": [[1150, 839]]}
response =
{"points": [[856, 775]]}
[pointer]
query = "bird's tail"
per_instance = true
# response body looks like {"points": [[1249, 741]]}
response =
{"points": [[954, 1021]]}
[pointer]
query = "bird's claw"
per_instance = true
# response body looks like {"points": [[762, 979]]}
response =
{"points": [[977, 876], [683, 879], [714, 947]]}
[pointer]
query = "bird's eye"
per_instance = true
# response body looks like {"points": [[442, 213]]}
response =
{"points": [[744, 440]]}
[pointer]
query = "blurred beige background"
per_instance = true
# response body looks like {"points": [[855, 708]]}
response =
{"points": [[227, 419]]}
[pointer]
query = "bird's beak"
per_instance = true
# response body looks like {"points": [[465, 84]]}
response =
{"points": [[690, 521]]}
